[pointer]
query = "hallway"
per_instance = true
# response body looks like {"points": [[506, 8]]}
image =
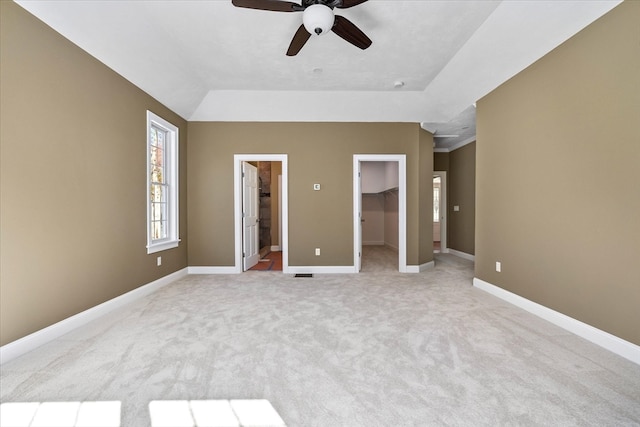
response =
{"points": [[270, 262]]}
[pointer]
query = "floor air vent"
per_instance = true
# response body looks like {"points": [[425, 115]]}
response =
{"points": [[303, 275]]}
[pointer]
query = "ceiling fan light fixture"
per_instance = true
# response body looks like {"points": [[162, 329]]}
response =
{"points": [[318, 19]]}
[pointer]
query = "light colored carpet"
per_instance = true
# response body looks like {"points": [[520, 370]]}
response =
{"points": [[378, 259], [375, 349]]}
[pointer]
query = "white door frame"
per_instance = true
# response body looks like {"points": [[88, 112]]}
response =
{"points": [[443, 210], [402, 205], [237, 195]]}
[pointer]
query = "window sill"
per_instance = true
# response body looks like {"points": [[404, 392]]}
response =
{"points": [[158, 247]]}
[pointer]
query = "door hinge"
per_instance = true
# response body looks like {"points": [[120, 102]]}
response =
{"points": [[243, 255]]}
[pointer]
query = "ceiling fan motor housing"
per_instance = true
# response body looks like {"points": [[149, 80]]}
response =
{"points": [[318, 19]]}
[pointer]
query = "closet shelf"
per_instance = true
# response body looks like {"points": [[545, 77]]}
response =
{"points": [[388, 190]]}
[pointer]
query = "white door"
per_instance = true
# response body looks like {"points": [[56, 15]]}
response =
{"points": [[250, 220]]}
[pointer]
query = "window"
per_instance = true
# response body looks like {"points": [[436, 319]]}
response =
{"points": [[162, 184]]}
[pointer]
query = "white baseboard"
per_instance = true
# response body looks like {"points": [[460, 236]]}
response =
{"points": [[286, 270], [275, 249], [373, 243], [461, 254], [325, 269], [32, 341], [215, 270], [420, 268], [604, 339]]}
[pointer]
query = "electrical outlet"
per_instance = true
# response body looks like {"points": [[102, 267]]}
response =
{"points": [[498, 266], [159, 261], [317, 251]]}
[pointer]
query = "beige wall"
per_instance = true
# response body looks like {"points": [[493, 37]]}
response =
{"points": [[460, 166], [461, 189], [558, 178], [425, 198], [390, 219], [373, 216], [441, 162], [73, 191], [317, 153]]}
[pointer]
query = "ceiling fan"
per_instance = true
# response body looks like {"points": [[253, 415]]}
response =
{"points": [[317, 19]]}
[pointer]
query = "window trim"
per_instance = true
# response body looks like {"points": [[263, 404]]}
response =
{"points": [[171, 173]]}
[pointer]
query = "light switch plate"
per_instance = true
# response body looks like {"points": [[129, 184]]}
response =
{"points": [[456, 208]]}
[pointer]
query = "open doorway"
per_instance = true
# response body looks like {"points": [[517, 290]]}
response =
{"points": [[261, 194], [380, 183], [269, 180], [439, 212]]}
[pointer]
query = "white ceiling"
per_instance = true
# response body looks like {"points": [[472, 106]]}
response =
{"points": [[211, 61]]}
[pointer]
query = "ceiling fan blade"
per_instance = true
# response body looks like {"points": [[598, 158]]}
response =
{"points": [[348, 31], [274, 5], [299, 39], [350, 3]]}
